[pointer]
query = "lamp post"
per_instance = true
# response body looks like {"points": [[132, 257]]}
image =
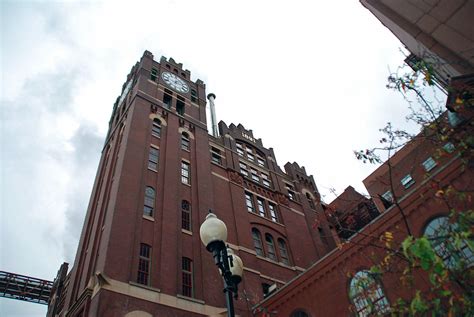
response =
{"points": [[213, 234]]}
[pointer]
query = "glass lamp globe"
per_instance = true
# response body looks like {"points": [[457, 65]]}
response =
{"points": [[212, 231], [237, 267]]}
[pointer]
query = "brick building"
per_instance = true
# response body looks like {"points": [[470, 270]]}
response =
{"points": [[350, 212], [160, 172], [410, 190]]}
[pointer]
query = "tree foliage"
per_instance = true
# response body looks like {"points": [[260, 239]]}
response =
{"points": [[446, 257]]}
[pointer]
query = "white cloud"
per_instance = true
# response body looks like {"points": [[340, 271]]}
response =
{"points": [[307, 77]]}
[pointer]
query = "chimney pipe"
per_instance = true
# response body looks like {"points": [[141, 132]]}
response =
{"points": [[211, 98]]}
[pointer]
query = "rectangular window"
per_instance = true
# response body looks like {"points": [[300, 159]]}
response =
{"points": [[429, 164], [265, 180], [216, 157], [255, 176], [184, 142], [153, 158], [261, 207], [193, 95], [407, 181], [388, 196], [291, 193], [185, 215], [187, 275], [153, 74], [156, 128], [273, 212], [185, 173], [243, 169], [260, 161], [249, 202], [283, 252], [240, 152], [180, 107], [449, 147], [144, 264], [167, 99], [250, 156]]}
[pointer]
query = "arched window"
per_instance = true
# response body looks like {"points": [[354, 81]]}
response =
{"points": [[270, 247], [156, 128], [185, 215], [149, 201], [185, 141], [299, 313], [283, 251], [367, 295], [439, 233], [257, 242]]}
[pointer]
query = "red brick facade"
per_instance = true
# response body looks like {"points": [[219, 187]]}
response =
{"points": [[159, 174], [323, 290]]}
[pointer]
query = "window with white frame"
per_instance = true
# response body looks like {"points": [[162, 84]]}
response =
{"points": [[265, 179], [291, 192], [149, 203], [156, 128], [185, 215], [240, 149], [153, 157], [255, 176], [367, 295], [250, 155], [243, 169], [407, 181], [216, 156], [185, 173], [143, 276], [449, 147], [185, 141], [273, 212], [387, 199], [249, 202], [261, 207], [429, 164], [187, 277], [440, 233]]}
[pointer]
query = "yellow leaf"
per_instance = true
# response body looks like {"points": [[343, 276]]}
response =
{"points": [[459, 101]]}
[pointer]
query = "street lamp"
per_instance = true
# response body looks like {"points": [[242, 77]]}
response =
{"points": [[213, 234]]}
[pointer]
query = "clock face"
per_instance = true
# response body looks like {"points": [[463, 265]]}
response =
{"points": [[175, 82]]}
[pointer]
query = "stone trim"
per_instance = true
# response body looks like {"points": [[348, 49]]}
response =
{"points": [[155, 296]]}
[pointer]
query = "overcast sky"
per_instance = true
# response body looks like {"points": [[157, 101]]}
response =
{"points": [[308, 77]]}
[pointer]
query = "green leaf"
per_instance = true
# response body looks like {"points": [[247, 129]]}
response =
{"points": [[445, 293], [406, 244], [423, 249], [417, 305]]}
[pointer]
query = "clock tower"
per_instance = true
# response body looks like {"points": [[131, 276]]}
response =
{"points": [[160, 172]]}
